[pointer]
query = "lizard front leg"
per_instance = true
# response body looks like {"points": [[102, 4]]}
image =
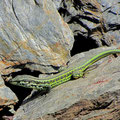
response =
{"points": [[43, 87]]}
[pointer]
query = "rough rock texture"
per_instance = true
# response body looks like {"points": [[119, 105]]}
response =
{"points": [[92, 19], [105, 107], [57, 3], [111, 15], [33, 33], [105, 78], [7, 97]]}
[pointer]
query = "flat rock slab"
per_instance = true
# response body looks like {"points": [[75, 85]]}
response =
{"points": [[105, 107], [105, 78]]}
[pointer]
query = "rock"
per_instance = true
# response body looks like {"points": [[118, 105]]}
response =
{"points": [[7, 97], [33, 35], [111, 12], [92, 20], [98, 89], [84, 18], [111, 16], [57, 3], [105, 107]]}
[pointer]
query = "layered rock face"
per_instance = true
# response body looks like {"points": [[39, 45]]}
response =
{"points": [[39, 36]]}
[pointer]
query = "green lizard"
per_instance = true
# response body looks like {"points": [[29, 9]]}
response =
{"points": [[28, 81]]}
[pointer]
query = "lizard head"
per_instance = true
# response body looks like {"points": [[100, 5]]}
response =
{"points": [[23, 81]]}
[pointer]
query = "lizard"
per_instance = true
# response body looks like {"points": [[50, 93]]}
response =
{"points": [[47, 83]]}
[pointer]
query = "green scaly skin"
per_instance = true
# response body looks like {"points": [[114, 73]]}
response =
{"points": [[28, 81]]}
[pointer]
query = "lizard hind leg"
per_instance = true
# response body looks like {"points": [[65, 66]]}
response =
{"points": [[77, 74]]}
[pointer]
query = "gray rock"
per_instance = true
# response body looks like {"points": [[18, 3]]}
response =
{"points": [[111, 16], [84, 18], [57, 3], [92, 19], [105, 107], [7, 97], [33, 33], [104, 78]]}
